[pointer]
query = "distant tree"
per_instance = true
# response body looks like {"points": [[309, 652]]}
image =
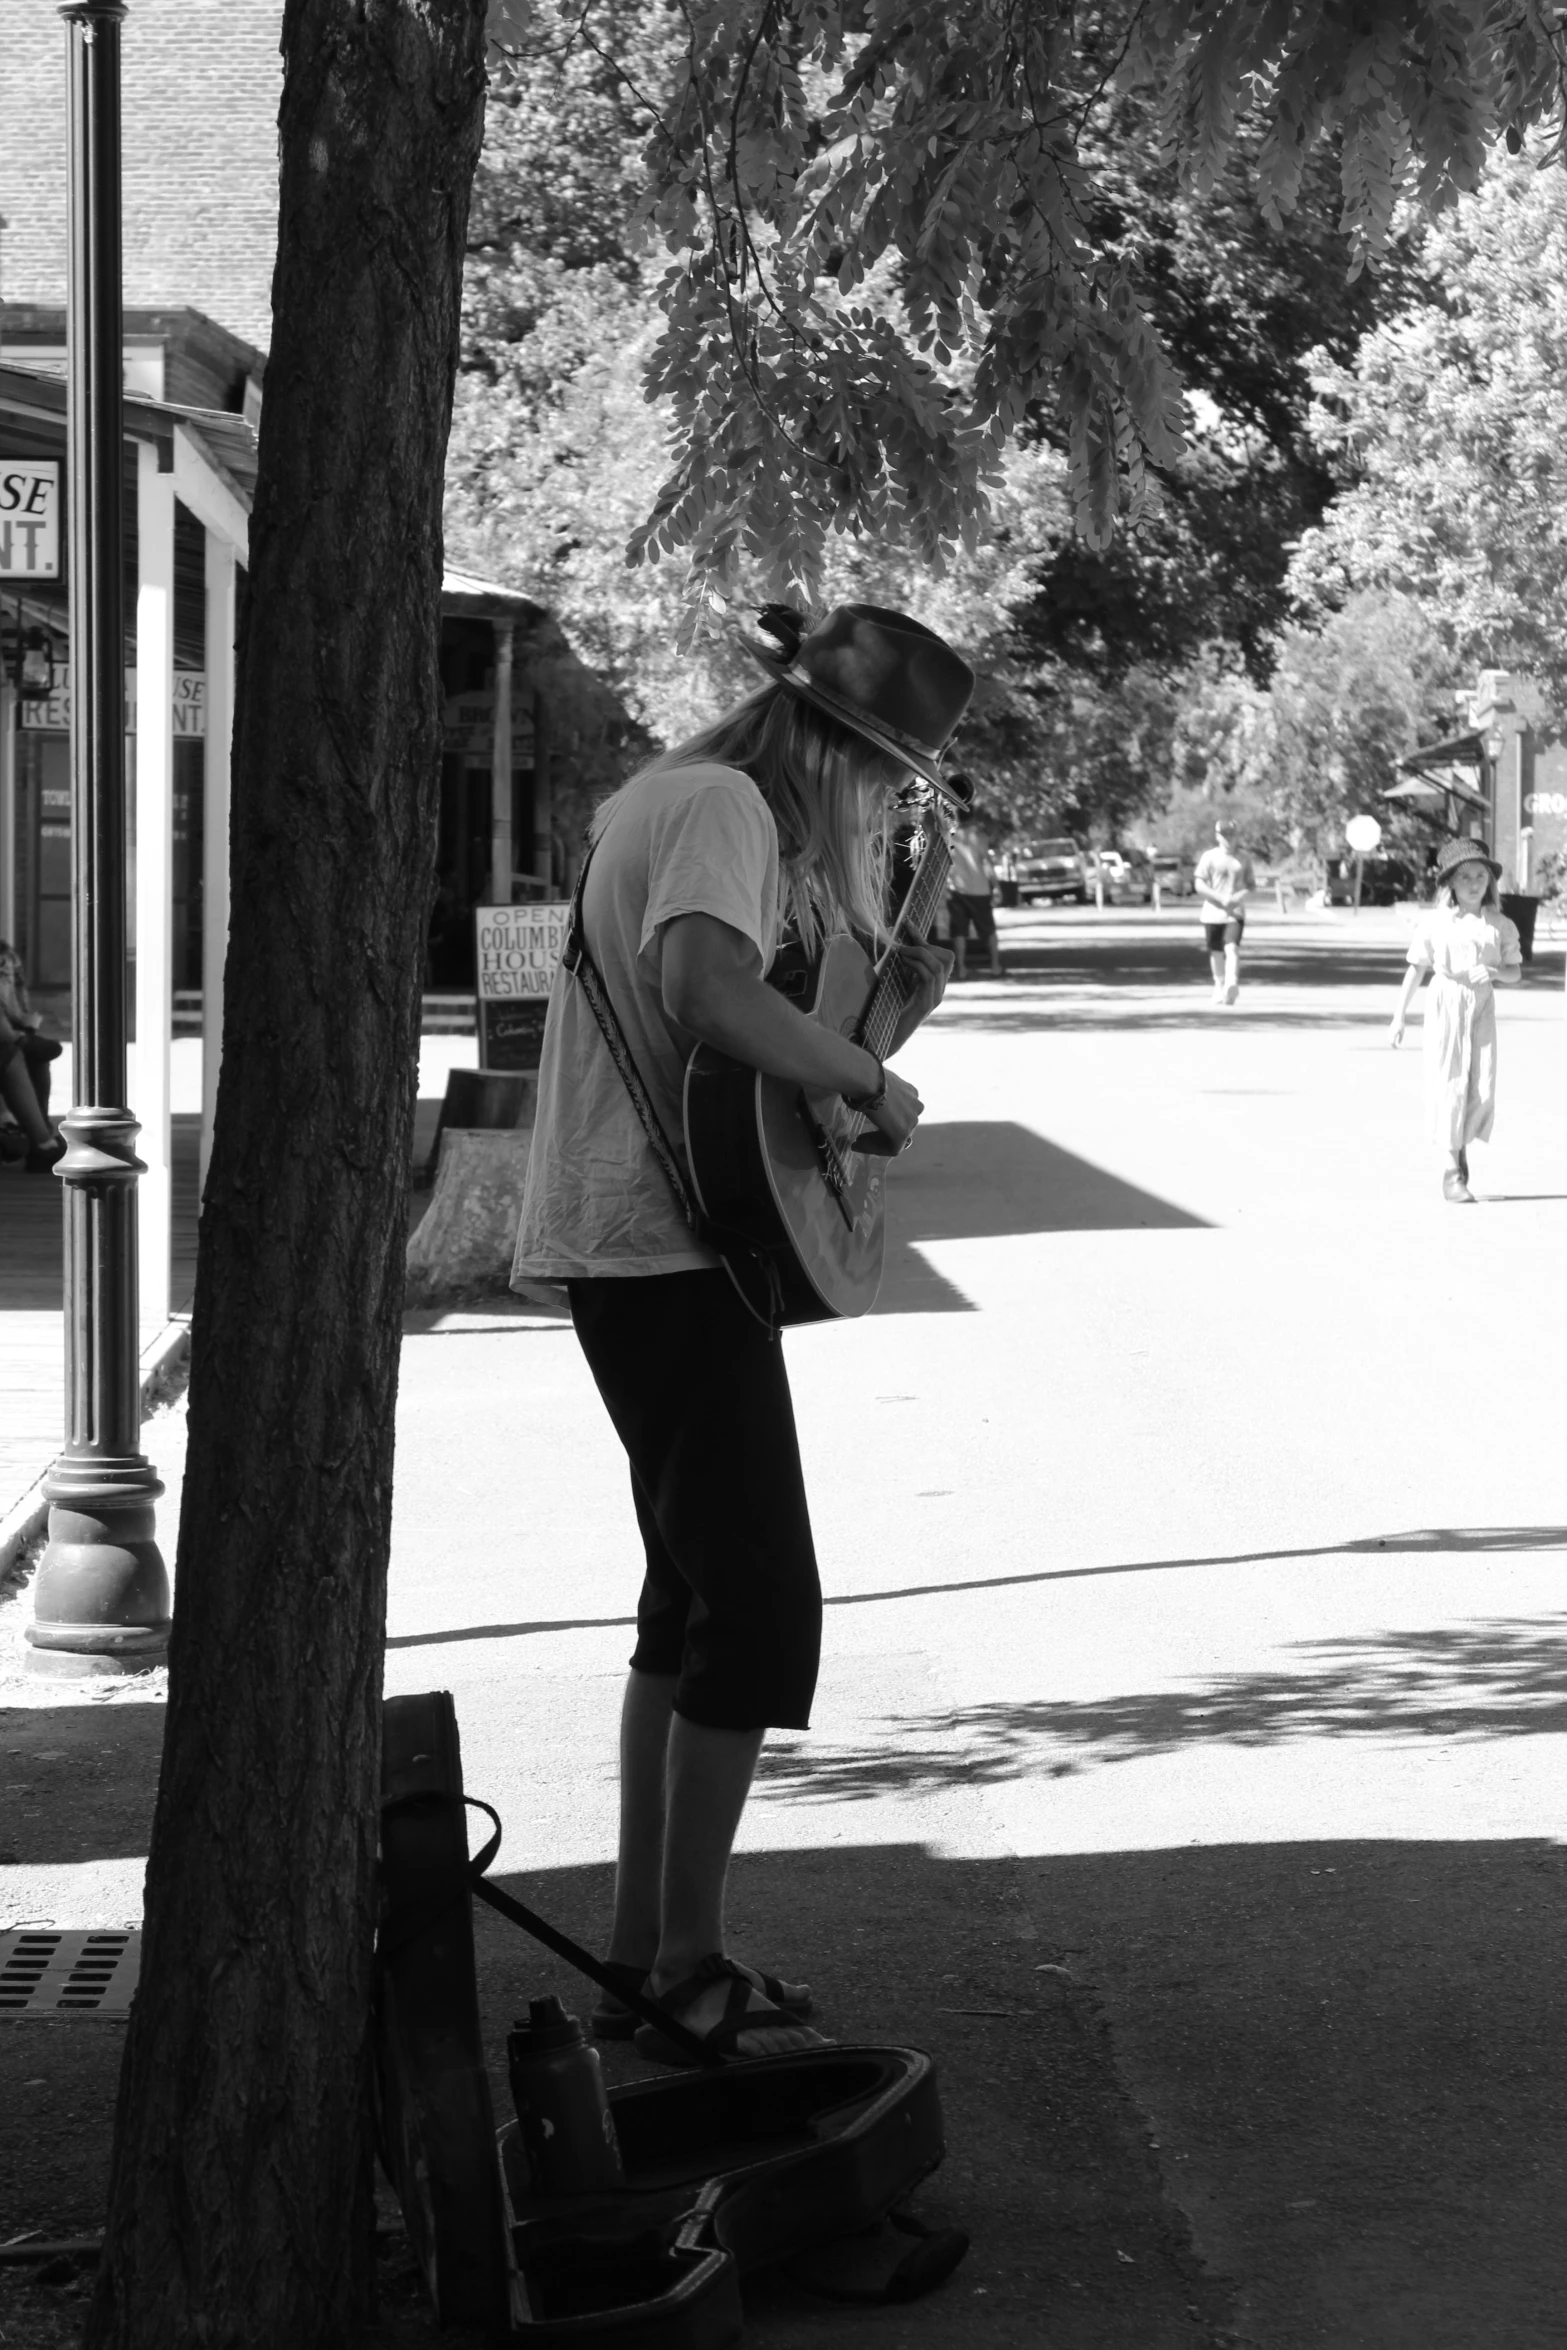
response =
{"points": [[1452, 419], [1243, 306], [1349, 698]]}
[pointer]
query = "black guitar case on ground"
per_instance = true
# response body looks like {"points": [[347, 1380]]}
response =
{"points": [[728, 2169]]}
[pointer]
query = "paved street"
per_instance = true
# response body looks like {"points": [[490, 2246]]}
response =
{"points": [[1192, 1521]]}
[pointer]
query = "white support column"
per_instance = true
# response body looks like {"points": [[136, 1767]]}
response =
{"points": [[502, 848], [154, 837], [220, 632], [8, 908]]}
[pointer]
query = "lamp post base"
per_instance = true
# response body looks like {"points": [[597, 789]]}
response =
{"points": [[101, 1601], [65, 1664]]}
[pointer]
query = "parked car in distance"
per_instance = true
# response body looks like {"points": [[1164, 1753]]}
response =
{"points": [[1173, 874], [1052, 869], [1384, 880], [1109, 871]]}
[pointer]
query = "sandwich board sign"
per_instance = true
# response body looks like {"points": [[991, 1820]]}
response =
{"points": [[518, 950]]}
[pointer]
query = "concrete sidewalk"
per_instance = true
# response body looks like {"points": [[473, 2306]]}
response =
{"points": [[1187, 1767]]}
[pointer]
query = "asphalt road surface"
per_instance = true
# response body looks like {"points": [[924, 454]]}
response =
{"points": [[1187, 1771]]}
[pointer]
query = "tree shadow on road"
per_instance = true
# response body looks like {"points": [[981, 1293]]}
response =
{"points": [[1506, 1678], [1424, 1539], [993, 1179], [1066, 1014]]}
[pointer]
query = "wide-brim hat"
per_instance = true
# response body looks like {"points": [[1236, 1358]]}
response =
{"points": [[882, 675], [1454, 853]]}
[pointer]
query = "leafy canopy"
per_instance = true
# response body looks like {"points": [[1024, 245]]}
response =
{"points": [[1451, 421], [884, 245]]}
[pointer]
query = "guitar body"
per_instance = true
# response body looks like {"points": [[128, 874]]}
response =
{"points": [[776, 1165]]}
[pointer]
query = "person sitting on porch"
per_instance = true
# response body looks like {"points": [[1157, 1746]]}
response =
{"points": [[24, 1065]]}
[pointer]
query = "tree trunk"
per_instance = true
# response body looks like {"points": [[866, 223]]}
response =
{"points": [[240, 2195]]}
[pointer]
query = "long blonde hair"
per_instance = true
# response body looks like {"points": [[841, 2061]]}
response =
{"points": [[830, 793]]}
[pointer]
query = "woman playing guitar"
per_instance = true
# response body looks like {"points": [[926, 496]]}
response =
{"points": [[776, 817]]}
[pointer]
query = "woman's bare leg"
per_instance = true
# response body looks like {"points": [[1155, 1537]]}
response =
{"points": [[645, 1715], [707, 1779]]}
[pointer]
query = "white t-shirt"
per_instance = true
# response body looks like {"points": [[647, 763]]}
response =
{"points": [[684, 840], [970, 874], [1224, 873]]}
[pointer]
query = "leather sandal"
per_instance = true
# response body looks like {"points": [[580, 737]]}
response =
{"points": [[741, 2015], [613, 2020]]}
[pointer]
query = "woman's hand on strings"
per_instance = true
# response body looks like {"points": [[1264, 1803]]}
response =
{"points": [[928, 969], [893, 1120]]}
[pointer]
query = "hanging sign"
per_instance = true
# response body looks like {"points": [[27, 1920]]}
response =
{"points": [[29, 518], [518, 949], [189, 708]]}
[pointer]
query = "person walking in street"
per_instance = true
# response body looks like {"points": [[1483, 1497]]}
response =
{"points": [[775, 817], [1470, 949], [1222, 880], [970, 891], [25, 1057]]}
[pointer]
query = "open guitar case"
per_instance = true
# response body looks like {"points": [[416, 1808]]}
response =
{"points": [[731, 2168]]}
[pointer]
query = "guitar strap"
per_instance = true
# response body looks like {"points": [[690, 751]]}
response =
{"points": [[579, 962]]}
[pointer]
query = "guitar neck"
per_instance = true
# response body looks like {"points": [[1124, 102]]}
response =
{"points": [[915, 916]]}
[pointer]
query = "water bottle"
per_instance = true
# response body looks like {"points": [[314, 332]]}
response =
{"points": [[557, 2085]]}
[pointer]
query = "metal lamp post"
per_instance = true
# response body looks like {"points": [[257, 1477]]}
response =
{"points": [[101, 1601]]}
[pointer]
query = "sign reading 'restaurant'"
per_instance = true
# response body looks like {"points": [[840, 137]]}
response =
{"points": [[518, 950], [29, 518]]}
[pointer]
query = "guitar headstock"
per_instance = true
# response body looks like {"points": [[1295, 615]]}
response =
{"points": [[926, 809]]}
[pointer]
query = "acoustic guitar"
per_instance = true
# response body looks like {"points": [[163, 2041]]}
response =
{"points": [[798, 1210]]}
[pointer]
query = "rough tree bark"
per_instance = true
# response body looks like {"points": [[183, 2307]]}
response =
{"points": [[239, 2201]]}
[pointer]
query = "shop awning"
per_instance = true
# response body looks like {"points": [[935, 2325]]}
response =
{"points": [[1460, 750], [1423, 786], [1425, 768]]}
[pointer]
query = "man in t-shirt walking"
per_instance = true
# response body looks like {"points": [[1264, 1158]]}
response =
{"points": [[1222, 880], [969, 886]]}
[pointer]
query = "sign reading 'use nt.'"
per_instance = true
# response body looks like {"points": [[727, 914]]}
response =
{"points": [[29, 518]]}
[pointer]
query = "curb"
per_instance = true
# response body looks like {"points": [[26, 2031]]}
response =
{"points": [[27, 1518]]}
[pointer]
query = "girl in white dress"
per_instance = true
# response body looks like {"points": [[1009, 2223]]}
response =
{"points": [[1470, 949]]}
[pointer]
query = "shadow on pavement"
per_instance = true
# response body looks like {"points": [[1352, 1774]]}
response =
{"points": [[1185, 964], [1065, 1014], [987, 1180], [1074, 2243], [1437, 1539], [1346, 2060], [1502, 1679], [1342, 2061], [1358, 2050], [77, 1781], [1074, 2240]]}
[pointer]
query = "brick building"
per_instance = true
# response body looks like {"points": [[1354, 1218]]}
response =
{"points": [[201, 86]]}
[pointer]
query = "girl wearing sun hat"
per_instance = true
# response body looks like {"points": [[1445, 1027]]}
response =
{"points": [[1469, 948]]}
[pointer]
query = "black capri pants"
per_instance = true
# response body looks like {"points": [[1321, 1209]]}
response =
{"points": [[731, 1602]]}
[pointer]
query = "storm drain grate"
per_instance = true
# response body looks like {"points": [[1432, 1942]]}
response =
{"points": [[43, 1972]]}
